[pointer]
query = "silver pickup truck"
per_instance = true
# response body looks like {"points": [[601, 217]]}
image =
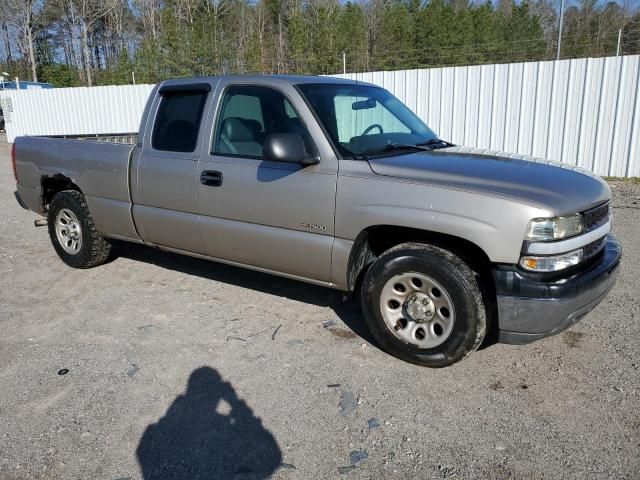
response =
{"points": [[337, 183]]}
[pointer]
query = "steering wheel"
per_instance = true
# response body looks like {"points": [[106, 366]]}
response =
{"points": [[371, 127]]}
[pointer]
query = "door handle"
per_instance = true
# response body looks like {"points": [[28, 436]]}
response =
{"points": [[211, 178]]}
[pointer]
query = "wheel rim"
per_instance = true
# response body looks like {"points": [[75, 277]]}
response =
{"points": [[68, 231], [417, 309]]}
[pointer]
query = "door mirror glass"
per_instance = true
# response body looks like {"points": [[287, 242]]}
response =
{"points": [[286, 147]]}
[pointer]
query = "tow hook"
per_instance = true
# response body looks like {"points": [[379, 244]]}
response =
{"points": [[41, 222]]}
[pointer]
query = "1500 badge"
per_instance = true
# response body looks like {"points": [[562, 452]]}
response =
{"points": [[314, 226]]}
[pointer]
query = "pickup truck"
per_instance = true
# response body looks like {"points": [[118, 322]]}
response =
{"points": [[337, 183]]}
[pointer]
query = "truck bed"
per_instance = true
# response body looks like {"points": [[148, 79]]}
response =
{"points": [[97, 165]]}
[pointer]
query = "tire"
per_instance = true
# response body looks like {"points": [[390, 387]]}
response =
{"points": [[81, 246], [437, 324]]}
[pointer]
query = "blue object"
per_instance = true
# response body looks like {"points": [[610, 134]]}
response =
{"points": [[23, 85]]}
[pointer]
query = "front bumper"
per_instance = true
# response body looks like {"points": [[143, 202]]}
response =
{"points": [[530, 309]]}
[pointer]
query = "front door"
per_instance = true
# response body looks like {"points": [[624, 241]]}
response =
{"points": [[271, 215]]}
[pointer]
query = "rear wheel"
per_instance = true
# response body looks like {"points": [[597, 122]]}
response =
{"points": [[423, 304], [73, 233]]}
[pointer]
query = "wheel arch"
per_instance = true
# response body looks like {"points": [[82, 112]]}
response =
{"points": [[54, 184], [372, 241]]}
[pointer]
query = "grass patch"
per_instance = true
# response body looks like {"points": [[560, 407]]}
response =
{"points": [[634, 180]]}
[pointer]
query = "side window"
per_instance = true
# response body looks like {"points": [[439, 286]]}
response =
{"points": [[248, 115], [178, 121]]}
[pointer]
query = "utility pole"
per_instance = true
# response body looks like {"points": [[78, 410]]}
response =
{"points": [[618, 47], [344, 63], [560, 28]]}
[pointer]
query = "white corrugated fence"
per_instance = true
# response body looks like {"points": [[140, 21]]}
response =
{"points": [[74, 111], [584, 112]]}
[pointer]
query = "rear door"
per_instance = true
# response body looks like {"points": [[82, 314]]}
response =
{"points": [[272, 215], [166, 171]]}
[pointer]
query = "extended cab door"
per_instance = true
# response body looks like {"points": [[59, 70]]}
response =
{"points": [[272, 215], [165, 172]]}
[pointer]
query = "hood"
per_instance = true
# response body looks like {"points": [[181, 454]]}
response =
{"points": [[560, 187]]}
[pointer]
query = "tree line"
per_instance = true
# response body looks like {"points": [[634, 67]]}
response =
{"points": [[90, 42]]}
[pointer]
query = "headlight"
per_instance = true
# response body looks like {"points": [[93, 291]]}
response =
{"points": [[553, 263], [554, 228]]}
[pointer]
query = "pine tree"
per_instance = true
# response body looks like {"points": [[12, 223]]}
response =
{"points": [[353, 36], [297, 39], [487, 37], [434, 32]]}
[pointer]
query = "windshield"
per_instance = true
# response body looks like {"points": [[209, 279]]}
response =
{"points": [[364, 120]]}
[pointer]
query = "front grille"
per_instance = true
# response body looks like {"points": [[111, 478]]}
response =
{"points": [[596, 216]]}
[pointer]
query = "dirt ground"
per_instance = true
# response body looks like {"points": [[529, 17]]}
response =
{"points": [[162, 366]]}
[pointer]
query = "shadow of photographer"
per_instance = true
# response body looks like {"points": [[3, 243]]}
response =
{"points": [[208, 433]]}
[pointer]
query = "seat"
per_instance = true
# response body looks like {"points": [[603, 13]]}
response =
{"points": [[239, 137], [256, 127]]}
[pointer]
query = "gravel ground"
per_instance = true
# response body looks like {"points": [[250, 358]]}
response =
{"points": [[177, 364]]}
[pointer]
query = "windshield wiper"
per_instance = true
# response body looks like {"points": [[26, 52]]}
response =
{"points": [[402, 146], [429, 145], [389, 147], [436, 141]]}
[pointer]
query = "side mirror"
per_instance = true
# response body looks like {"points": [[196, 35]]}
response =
{"points": [[287, 147]]}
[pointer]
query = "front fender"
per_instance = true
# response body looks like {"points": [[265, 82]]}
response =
{"points": [[496, 225]]}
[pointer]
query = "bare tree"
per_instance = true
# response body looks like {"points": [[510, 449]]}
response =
{"points": [[5, 41], [373, 11], [149, 14], [88, 12], [20, 13]]}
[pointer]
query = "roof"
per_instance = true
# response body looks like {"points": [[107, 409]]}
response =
{"points": [[268, 79], [300, 79]]}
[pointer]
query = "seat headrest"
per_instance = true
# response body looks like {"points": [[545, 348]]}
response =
{"points": [[254, 125], [236, 130]]}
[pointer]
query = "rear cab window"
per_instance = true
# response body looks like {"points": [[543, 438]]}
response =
{"points": [[177, 121]]}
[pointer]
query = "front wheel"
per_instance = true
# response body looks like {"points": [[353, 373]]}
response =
{"points": [[423, 304], [73, 233]]}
